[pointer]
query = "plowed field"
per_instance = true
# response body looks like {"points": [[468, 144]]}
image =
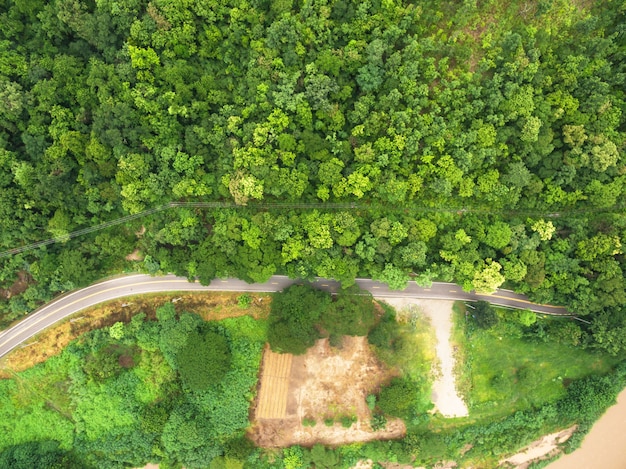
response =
{"points": [[274, 385]]}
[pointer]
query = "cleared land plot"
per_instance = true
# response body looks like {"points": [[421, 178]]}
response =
{"points": [[274, 385], [325, 385]]}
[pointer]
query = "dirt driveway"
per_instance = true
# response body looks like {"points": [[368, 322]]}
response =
{"points": [[445, 397]]}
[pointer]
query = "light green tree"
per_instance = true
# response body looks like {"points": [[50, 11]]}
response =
{"points": [[545, 229], [489, 278], [116, 331]]}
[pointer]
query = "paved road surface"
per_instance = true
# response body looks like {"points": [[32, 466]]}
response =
{"points": [[127, 285]]}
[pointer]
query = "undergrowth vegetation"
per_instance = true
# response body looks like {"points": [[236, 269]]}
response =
{"points": [[517, 363], [177, 390]]}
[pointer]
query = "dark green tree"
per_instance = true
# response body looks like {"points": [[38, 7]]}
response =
{"points": [[293, 316]]}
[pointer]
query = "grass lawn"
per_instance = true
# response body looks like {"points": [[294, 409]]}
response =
{"points": [[499, 373]]}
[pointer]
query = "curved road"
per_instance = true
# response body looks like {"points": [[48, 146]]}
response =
{"points": [[136, 284]]}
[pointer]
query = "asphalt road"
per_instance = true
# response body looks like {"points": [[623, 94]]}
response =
{"points": [[136, 284]]}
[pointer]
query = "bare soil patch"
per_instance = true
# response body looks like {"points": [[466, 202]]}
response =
{"points": [[19, 286], [543, 448], [212, 306], [134, 256], [326, 384]]}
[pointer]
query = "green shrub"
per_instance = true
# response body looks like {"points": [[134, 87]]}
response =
{"points": [[38, 454], [225, 462], [116, 331], [322, 458], [308, 422], [378, 451], [484, 315], [399, 398], [153, 418], [385, 334], [564, 332], [529, 376], [501, 382], [329, 421], [588, 398], [526, 317], [347, 420], [351, 313], [239, 448], [293, 457], [244, 301], [335, 340], [102, 365], [204, 360], [538, 333], [378, 422], [574, 442]]}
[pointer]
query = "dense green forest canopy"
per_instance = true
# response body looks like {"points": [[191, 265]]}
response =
{"points": [[483, 142]]}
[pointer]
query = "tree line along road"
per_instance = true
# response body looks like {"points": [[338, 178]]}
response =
{"points": [[136, 284]]}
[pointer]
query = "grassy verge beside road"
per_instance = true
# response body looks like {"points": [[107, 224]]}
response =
{"points": [[211, 306]]}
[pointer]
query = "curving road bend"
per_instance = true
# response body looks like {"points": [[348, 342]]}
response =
{"points": [[137, 284]]}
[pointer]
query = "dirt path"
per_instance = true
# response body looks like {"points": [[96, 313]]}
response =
{"points": [[604, 445], [445, 397]]}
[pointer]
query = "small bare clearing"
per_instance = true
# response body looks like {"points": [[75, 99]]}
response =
{"points": [[325, 385], [134, 256], [543, 448], [19, 286]]}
